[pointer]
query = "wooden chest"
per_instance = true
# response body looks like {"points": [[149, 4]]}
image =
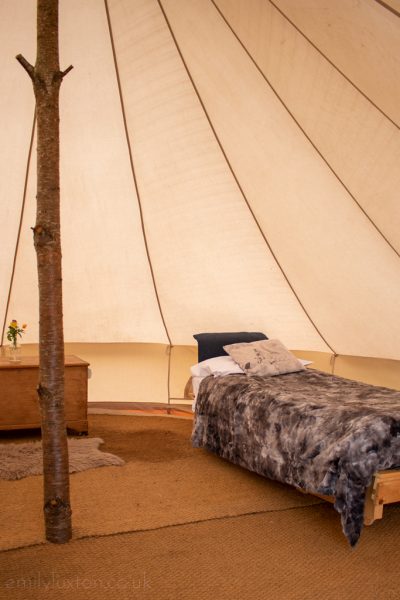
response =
{"points": [[19, 406]]}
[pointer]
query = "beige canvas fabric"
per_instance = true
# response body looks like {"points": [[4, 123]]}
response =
{"points": [[225, 166]]}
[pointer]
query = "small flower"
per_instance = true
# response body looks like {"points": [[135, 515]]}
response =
{"points": [[15, 330]]}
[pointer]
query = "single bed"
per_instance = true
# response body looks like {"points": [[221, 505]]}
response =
{"points": [[336, 438]]}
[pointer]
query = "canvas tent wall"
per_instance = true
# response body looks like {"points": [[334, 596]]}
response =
{"points": [[226, 165]]}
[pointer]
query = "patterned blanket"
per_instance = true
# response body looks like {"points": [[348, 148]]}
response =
{"points": [[313, 430]]}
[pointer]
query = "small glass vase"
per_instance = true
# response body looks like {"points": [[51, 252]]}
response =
{"points": [[14, 353]]}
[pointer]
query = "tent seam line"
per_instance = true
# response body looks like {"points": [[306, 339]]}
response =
{"points": [[24, 194], [200, 521], [389, 8], [136, 186], [333, 64], [236, 179], [304, 132]]}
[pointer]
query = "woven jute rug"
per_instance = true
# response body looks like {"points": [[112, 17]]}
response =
{"points": [[279, 549], [164, 482], [298, 554]]}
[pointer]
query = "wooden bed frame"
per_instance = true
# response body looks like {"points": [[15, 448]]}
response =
{"points": [[384, 489]]}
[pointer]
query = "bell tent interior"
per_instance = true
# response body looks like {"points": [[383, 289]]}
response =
{"points": [[226, 165]]}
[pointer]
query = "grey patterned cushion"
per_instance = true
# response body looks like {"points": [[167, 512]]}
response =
{"points": [[266, 357]]}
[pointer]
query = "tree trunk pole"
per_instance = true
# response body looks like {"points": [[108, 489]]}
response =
{"points": [[46, 77]]}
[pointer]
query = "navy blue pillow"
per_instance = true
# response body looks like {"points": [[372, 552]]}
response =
{"points": [[211, 345]]}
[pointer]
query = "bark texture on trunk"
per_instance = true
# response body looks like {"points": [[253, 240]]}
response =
{"points": [[46, 77]]}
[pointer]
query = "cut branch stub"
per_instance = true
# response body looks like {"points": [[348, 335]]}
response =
{"points": [[58, 76], [58, 516], [27, 66], [41, 235], [67, 70]]}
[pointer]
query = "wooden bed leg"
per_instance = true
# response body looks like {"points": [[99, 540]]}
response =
{"points": [[385, 489], [373, 508], [372, 511]]}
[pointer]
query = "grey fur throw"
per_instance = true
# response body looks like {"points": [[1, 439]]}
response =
{"points": [[313, 430]]}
